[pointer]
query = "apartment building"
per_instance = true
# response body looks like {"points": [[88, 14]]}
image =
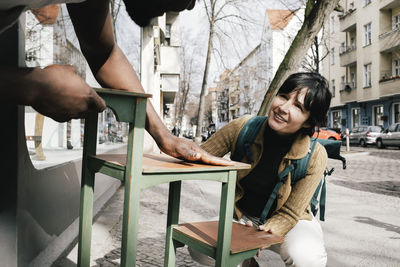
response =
{"points": [[363, 66], [249, 80], [160, 63]]}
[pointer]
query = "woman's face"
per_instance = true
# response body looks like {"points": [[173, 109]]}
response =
{"points": [[287, 114]]}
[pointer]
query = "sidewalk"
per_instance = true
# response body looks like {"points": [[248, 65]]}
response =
{"points": [[361, 228]]}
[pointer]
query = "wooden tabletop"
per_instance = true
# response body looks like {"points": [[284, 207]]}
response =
{"points": [[161, 163]]}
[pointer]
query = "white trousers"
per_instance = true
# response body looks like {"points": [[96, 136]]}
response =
{"points": [[303, 247]]}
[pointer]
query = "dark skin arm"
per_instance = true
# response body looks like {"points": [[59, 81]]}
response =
{"points": [[92, 23], [55, 91]]}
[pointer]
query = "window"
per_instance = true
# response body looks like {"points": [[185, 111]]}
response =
{"points": [[342, 82], [31, 55], [396, 22], [333, 56], [168, 33], [377, 115], [332, 24], [333, 87], [396, 67], [355, 117], [353, 80], [352, 43], [396, 112], [337, 119], [367, 75], [367, 2], [367, 34], [342, 48]]}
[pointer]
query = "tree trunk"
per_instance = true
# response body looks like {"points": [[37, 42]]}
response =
{"points": [[316, 59], [114, 15], [315, 15], [182, 103], [200, 116]]}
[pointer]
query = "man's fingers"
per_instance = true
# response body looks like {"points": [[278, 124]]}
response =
{"points": [[97, 103], [210, 159], [249, 223]]}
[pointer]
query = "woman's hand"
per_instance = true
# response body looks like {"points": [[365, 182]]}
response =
{"points": [[260, 228], [189, 150]]}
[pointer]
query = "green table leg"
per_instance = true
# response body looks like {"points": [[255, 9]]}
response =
{"points": [[225, 221], [133, 175], [87, 192], [172, 220]]}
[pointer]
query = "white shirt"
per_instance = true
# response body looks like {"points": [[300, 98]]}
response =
{"points": [[10, 10]]}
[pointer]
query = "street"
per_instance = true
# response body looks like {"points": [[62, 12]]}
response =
{"points": [[362, 226]]}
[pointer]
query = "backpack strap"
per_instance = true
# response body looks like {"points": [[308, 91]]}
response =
{"points": [[282, 177], [246, 138], [298, 169], [301, 165]]}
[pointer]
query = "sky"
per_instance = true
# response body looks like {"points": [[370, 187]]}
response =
{"points": [[194, 32], [194, 27]]}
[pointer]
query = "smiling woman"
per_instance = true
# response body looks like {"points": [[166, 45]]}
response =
{"points": [[301, 105]]}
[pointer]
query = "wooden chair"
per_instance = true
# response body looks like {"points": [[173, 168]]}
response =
{"points": [[138, 171]]}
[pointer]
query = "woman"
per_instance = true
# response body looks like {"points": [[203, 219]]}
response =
{"points": [[300, 105]]}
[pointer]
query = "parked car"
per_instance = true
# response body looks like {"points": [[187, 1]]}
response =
{"points": [[389, 137], [207, 134], [364, 135], [188, 134], [326, 133]]}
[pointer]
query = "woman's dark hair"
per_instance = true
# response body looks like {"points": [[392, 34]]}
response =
{"points": [[317, 99]]}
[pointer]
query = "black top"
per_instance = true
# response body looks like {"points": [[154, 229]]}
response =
{"points": [[260, 182]]}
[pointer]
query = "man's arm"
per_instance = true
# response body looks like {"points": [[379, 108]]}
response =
{"points": [[47, 91], [92, 23]]}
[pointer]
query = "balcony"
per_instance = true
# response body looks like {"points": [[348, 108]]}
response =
{"points": [[389, 85], [348, 55], [169, 60], [348, 21], [169, 87], [348, 93], [388, 4], [389, 41]]}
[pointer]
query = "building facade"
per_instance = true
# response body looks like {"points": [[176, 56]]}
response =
{"points": [[160, 63], [247, 83], [363, 67]]}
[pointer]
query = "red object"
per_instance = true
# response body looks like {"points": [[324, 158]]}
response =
{"points": [[326, 134]]}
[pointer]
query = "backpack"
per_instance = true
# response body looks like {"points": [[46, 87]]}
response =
{"points": [[297, 168]]}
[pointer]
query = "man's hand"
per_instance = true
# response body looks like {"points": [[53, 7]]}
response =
{"points": [[63, 95], [189, 150]]}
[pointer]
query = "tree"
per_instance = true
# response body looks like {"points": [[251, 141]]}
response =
{"points": [[218, 12], [189, 77], [316, 12], [313, 58], [115, 6], [184, 88]]}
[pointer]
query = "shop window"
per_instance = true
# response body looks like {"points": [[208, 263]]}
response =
{"points": [[355, 117], [377, 115], [337, 119], [396, 112]]}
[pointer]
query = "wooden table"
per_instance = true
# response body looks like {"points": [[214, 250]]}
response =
{"points": [[138, 171]]}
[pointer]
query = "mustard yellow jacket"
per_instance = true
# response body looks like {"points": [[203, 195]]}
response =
{"points": [[293, 203]]}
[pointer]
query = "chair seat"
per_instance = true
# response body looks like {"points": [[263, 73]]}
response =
{"points": [[243, 238], [158, 163]]}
